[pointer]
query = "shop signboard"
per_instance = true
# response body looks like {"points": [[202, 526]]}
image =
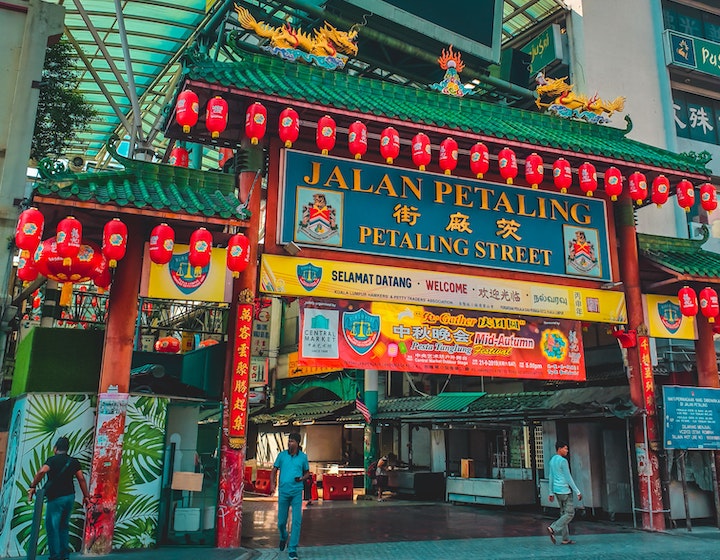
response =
{"points": [[179, 280], [297, 276], [692, 417], [692, 52], [664, 319], [376, 209], [402, 337], [545, 49]]}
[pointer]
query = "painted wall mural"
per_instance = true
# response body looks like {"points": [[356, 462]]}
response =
{"points": [[136, 521], [37, 421]]}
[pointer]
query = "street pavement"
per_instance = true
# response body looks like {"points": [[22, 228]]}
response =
{"points": [[412, 530], [703, 543]]}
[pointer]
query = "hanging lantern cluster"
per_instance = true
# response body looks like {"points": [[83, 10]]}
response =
{"points": [[706, 303], [67, 258], [162, 244], [187, 110]]}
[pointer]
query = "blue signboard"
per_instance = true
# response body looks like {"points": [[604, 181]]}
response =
{"points": [[369, 208], [692, 417]]}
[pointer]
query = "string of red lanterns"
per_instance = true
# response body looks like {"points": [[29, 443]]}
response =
{"points": [[707, 303], [186, 113]]}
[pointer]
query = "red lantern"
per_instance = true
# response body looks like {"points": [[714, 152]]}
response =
{"points": [[660, 190], [29, 230], [588, 178], [357, 139], [688, 301], [637, 187], [162, 241], [216, 116], [708, 197], [179, 157], [613, 182], [238, 254], [289, 126], [200, 250], [114, 243], [562, 174], [389, 144], [187, 110], [207, 342], [69, 238], [421, 150], [709, 304], [685, 194], [26, 269], [448, 158], [255, 122], [103, 279], [325, 134], [479, 159], [86, 265], [534, 170], [168, 345], [507, 162]]}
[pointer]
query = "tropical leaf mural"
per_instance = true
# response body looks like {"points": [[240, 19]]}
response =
{"points": [[38, 420], [136, 518]]}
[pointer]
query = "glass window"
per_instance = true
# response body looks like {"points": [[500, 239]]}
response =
{"points": [[681, 117], [701, 119]]}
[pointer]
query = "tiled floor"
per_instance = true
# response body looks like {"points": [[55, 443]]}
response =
{"points": [[395, 520]]}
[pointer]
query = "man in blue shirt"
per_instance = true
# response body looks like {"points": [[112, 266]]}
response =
{"points": [[294, 469], [562, 485]]}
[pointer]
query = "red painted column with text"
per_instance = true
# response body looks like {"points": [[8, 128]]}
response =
{"points": [[641, 381], [236, 385]]}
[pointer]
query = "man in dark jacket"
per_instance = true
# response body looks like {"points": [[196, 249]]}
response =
{"points": [[60, 494]]}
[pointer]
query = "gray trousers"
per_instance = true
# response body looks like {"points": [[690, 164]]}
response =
{"points": [[567, 512]]}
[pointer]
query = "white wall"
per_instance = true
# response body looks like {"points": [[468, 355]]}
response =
{"points": [[613, 52]]}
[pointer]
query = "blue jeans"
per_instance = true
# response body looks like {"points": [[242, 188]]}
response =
{"points": [[285, 502], [57, 526], [567, 512]]}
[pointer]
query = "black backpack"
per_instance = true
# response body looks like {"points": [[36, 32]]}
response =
{"points": [[372, 469]]}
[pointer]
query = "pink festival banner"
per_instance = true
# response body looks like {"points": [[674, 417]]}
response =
{"points": [[401, 337]]}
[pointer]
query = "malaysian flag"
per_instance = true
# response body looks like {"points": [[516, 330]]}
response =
{"points": [[362, 409]]}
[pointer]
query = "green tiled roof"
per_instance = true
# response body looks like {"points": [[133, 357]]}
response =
{"points": [[683, 256], [148, 186], [450, 402], [302, 411], [267, 76]]}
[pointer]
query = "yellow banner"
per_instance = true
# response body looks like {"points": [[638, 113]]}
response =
{"points": [[296, 370], [664, 319], [297, 276], [178, 280]]}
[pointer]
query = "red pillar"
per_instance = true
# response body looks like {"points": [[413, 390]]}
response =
{"points": [[642, 384], [112, 398], [237, 364]]}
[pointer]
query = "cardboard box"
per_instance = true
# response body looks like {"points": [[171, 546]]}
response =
{"points": [[467, 468], [187, 481]]}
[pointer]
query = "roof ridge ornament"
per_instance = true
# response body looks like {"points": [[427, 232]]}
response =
{"points": [[567, 104], [452, 63], [326, 47]]}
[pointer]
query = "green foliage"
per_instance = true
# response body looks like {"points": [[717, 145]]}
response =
{"points": [[62, 110]]}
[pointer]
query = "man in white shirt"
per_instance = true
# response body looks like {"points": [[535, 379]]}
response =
{"points": [[562, 486]]}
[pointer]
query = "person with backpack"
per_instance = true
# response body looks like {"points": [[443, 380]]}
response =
{"points": [[61, 469]]}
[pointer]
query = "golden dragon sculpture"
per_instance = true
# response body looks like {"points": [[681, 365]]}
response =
{"points": [[561, 93], [326, 41]]}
